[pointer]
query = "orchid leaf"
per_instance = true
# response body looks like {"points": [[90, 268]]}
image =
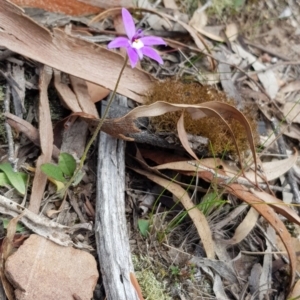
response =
{"points": [[54, 172], [143, 227], [67, 164], [65, 168], [4, 180], [16, 179]]}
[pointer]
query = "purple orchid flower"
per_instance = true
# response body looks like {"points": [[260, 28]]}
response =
{"points": [[137, 45]]}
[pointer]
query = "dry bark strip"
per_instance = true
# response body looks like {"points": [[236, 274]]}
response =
{"points": [[46, 141], [71, 55], [110, 225]]}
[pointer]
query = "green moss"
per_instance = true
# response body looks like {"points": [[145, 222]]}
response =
{"points": [[152, 288], [214, 129]]}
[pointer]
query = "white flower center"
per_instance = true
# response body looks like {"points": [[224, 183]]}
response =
{"points": [[137, 44]]}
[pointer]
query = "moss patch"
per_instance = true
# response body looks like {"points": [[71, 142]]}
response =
{"points": [[152, 287], [214, 129]]}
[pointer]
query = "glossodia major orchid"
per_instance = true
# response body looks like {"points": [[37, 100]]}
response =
{"points": [[137, 45]]}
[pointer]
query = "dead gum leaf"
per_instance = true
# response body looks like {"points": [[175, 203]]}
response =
{"points": [[269, 214], [196, 215]]}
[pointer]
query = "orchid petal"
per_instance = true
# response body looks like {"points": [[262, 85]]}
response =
{"points": [[128, 23], [147, 51], [152, 40], [140, 53], [133, 56], [119, 42]]}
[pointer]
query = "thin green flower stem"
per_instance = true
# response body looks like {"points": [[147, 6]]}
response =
{"points": [[95, 134]]}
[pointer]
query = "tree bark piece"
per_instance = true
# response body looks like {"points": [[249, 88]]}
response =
{"points": [[110, 228]]}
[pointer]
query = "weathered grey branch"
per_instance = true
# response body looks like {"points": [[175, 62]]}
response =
{"points": [[110, 228]]}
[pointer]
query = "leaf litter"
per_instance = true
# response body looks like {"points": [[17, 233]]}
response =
{"points": [[253, 215]]}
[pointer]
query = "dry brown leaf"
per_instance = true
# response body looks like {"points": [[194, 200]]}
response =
{"points": [[290, 130], [81, 91], [295, 293], [265, 280], [296, 245], [278, 205], [292, 111], [46, 141], [67, 96], [23, 126], [200, 42], [193, 165], [268, 213], [26, 128], [136, 285], [196, 215], [183, 137], [8, 244], [244, 228], [199, 19], [231, 31], [212, 32], [69, 54], [275, 169], [267, 77], [145, 166], [290, 87], [67, 7], [6, 251], [97, 92], [272, 170]]}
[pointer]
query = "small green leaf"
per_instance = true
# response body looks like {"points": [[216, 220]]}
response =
{"points": [[53, 171], [20, 227], [4, 180], [16, 179], [175, 270], [67, 163], [143, 226], [238, 3]]}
